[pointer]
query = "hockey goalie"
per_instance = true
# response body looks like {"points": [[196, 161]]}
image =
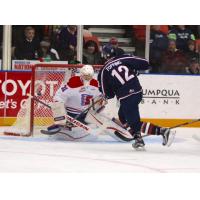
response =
{"points": [[74, 99]]}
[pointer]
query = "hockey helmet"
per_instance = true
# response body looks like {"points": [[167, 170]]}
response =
{"points": [[87, 70], [108, 51]]}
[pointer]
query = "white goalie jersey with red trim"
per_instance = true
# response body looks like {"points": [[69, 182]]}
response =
{"points": [[76, 94]]}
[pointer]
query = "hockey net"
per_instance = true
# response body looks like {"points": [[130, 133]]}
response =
{"points": [[46, 80]]}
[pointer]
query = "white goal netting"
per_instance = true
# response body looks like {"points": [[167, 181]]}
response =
{"points": [[46, 80]]}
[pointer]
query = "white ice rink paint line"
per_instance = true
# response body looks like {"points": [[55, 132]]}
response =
{"points": [[43, 154]]}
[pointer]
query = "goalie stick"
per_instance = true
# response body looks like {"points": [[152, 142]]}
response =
{"points": [[119, 124], [83, 126], [59, 130], [68, 118], [48, 106]]}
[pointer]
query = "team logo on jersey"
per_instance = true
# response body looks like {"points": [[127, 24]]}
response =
{"points": [[131, 91], [64, 88], [85, 99]]}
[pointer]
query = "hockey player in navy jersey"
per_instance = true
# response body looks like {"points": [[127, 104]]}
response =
{"points": [[118, 77]]}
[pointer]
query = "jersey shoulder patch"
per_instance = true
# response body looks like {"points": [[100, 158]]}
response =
{"points": [[75, 82], [94, 83]]}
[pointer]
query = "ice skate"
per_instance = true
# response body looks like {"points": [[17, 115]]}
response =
{"points": [[139, 142], [168, 136], [51, 130]]}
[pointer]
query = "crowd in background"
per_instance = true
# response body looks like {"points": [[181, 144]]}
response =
{"points": [[173, 49], [176, 51]]}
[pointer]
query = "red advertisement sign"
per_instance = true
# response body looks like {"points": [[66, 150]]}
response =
{"points": [[14, 87]]}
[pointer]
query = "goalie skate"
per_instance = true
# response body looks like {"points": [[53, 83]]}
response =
{"points": [[54, 129]]}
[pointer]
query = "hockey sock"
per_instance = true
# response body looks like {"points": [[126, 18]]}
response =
{"points": [[150, 129]]}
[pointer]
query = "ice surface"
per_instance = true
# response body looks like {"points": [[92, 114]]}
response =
{"points": [[44, 154]]}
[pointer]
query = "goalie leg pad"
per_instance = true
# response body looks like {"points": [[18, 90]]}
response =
{"points": [[58, 110], [80, 117]]}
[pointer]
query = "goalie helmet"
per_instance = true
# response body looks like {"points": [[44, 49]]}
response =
{"points": [[87, 71]]}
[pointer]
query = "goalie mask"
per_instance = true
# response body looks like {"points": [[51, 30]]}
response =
{"points": [[87, 72]]}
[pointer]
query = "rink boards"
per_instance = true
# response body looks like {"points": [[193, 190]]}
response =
{"points": [[168, 99]]}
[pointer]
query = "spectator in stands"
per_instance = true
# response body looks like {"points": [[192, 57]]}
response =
{"points": [[46, 53], [194, 67], [164, 29], [192, 52], [158, 45], [182, 35], [67, 42], [27, 46], [139, 34], [174, 60], [86, 33], [91, 54], [115, 45]]}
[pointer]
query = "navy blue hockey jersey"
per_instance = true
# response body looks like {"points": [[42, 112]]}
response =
{"points": [[118, 76]]}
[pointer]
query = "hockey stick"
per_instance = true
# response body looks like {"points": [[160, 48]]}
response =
{"points": [[184, 124], [173, 127], [108, 125], [119, 124], [89, 107], [68, 118], [63, 133], [80, 124], [48, 106], [170, 140]]}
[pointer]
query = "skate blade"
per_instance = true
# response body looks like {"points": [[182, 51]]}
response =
{"points": [[51, 132], [171, 138], [139, 148]]}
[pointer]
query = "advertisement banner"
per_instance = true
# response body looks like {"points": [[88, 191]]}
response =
{"points": [[2, 96], [14, 88], [23, 64], [27, 64], [170, 96], [167, 99]]}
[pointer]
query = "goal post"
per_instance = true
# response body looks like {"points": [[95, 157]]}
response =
{"points": [[46, 79]]}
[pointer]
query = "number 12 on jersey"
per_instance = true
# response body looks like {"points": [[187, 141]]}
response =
{"points": [[122, 74]]}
